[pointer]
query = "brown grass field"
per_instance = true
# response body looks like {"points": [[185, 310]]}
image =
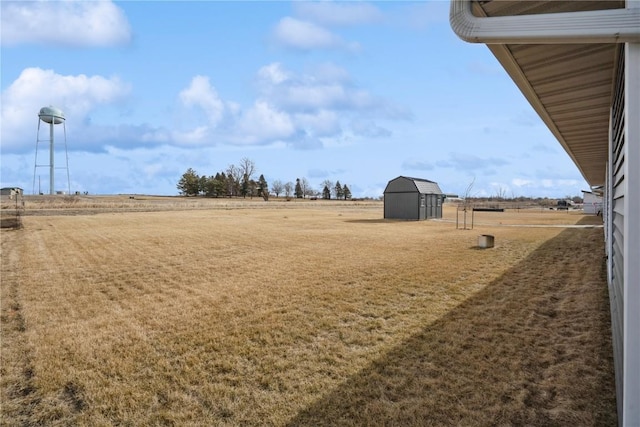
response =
{"points": [[251, 313]]}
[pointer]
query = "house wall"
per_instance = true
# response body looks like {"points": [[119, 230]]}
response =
{"points": [[622, 205], [631, 244], [402, 205], [414, 206], [615, 228]]}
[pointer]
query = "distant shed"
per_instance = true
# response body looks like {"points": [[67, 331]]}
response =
{"points": [[592, 202], [412, 198], [11, 192]]}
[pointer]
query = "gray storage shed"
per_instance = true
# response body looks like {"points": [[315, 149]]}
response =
{"points": [[412, 198]]}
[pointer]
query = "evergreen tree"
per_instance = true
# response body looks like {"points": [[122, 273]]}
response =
{"points": [[338, 191], [244, 189], [253, 188], [222, 179], [189, 184], [298, 193], [202, 184], [207, 185], [346, 191], [218, 184], [326, 193], [328, 184], [263, 187]]}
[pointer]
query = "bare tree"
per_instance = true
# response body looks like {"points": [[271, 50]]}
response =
{"points": [[277, 187], [247, 167], [306, 187], [234, 178], [467, 192], [501, 193], [288, 188]]}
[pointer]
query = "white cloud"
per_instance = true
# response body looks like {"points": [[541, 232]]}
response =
{"points": [[197, 136], [315, 96], [64, 23], [369, 129], [303, 35], [518, 182], [331, 73], [304, 141], [262, 122], [292, 109], [200, 93], [567, 182], [333, 13], [471, 162], [153, 169], [295, 109], [327, 87], [273, 74], [35, 88], [321, 123], [156, 135]]}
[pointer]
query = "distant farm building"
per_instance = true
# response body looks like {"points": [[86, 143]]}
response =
{"points": [[10, 192], [412, 198], [591, 202]]}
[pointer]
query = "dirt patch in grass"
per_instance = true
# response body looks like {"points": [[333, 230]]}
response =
{"points": [[314, 315]]}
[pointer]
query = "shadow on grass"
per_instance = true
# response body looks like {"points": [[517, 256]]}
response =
{"points": [[384, 221], [590, 220], [532, 348], [371, 221]]}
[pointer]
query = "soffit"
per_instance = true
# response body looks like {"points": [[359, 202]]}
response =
{"points": [[569, 85]]}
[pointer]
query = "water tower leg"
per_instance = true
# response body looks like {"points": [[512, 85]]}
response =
{"points": [[51, 168]]}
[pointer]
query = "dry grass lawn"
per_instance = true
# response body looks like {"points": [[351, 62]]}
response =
{"points": [[322, 314]]}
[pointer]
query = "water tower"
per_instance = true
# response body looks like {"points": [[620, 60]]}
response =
{"points": [[52, 116]]}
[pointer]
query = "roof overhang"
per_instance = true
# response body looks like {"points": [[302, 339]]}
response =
{"points": [[562, 55]]}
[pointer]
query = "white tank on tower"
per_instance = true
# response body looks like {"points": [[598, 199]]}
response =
{"points": [[52, 116]]}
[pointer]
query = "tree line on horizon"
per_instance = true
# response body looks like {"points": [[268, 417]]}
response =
{"points": [[238, 181]]}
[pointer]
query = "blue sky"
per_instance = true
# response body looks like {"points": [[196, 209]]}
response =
{"points": [[354, 92]]}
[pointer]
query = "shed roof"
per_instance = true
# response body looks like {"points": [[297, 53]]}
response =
{"points": [[420, 185], [570, 86]]}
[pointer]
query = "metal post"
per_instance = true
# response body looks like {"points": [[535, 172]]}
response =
{"points": [[51, 166]]}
